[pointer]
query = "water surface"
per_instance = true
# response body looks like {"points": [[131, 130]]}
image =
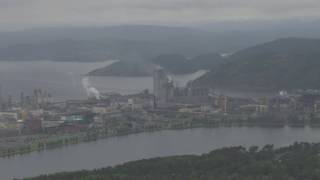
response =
{"points": [[64, 79], [118, 150]]}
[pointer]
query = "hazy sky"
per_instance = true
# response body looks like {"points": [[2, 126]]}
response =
{"points": [[34, 13]]}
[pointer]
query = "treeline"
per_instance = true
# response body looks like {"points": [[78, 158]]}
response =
{"points": [[179, 64], [40, 145], [299, 161]]}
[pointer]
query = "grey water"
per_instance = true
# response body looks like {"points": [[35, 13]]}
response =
{"points": [[117, 150], [63, 79]]}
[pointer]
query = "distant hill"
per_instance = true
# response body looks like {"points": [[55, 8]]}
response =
{"points": [[124, 68], [172, 63], [138, 42], [84, 50], [179, 64], [127, 43], [288, 63]]}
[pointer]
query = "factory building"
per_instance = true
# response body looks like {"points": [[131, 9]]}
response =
{"points": [[163, 88], [166, 94]]}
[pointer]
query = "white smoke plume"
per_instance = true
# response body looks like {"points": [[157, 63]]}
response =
{"points": [[91, 91]]}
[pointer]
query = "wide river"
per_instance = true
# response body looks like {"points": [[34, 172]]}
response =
{"points": [[117, 150]]}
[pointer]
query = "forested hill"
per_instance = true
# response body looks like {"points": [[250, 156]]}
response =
{"points": [[125, 69], [298, 162], [179, 64], [289, 63], [127, 43]]}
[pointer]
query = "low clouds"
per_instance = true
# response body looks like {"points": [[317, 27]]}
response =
{"points": [[8, 4], [31, 13]]}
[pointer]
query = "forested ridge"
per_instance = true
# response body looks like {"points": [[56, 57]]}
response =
{"points": [[299, 161], [287, 63]]}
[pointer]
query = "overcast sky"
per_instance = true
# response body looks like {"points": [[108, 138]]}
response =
{"points": [[36, 13]]}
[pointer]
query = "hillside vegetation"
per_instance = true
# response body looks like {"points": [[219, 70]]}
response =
{"points": [[300, 161], [126, 69], [291, 63], [179, 64]]}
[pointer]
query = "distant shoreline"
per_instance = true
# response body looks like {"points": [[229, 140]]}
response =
{"points": [[79, 138]]}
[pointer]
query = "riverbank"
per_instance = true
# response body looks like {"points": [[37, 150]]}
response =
{"points": [[127, 123], [48, 142], [118, 150]]}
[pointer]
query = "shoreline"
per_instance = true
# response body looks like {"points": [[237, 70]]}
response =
{"points": [[90, 136]]}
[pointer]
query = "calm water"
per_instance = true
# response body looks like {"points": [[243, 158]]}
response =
{"points": [[118, 150], [64, 79]]}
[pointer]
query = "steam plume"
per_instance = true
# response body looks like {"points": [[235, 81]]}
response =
{"points": [[91, 91]]}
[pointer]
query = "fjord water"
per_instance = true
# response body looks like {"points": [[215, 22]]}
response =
{"points": [[122, 149], [63, 79]]}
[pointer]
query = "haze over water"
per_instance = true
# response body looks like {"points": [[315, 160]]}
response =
{"points": [[64, 79]]}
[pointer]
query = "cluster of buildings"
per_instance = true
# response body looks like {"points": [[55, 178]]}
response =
{"points": [[23, 114], [167, 95], [300, 105], [37, 113]]}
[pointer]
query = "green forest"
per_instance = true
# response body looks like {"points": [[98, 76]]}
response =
{"points": [[300, 161]]}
